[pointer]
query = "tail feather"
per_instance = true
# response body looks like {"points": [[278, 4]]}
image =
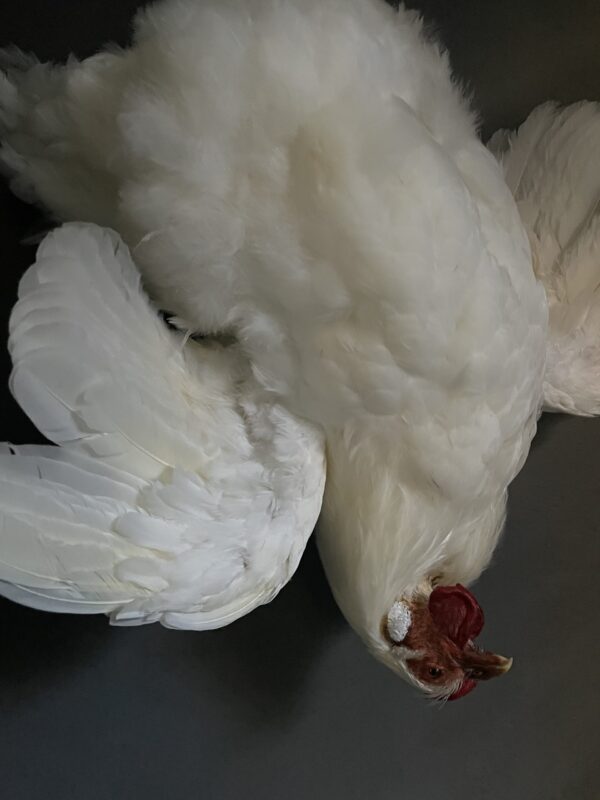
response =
{"points": [[552, 165]]}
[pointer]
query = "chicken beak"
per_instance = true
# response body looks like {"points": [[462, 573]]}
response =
{"points": [[482, 666], [504, 664]]}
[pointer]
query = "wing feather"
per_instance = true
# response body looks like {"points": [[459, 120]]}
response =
{"points": [[178, 492]]}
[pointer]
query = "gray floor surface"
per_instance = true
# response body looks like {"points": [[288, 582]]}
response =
{"points": [[268, 709]]}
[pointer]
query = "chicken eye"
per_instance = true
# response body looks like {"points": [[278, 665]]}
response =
{"points": [[435, 672]]}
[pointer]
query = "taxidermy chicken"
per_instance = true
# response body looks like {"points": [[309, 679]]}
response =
{"points": [[301, 183]]}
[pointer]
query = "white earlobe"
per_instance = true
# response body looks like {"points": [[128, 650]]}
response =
{"points": [[399, 621]]}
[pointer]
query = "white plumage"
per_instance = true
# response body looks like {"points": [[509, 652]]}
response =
{"points": [[552, 166], [180, 493], [304, 176]]}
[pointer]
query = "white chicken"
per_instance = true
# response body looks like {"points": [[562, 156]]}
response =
{"points": [[301, 176]]}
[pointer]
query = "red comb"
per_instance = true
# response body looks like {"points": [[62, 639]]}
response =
{"points": [[456, 613]]}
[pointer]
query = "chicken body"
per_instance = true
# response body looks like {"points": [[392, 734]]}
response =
{"points": [[305, 176]]}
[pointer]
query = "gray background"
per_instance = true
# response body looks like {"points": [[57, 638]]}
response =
{"points": [[286, 703]]}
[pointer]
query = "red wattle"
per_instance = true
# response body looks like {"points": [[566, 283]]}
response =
{"points": [[467, 686]]}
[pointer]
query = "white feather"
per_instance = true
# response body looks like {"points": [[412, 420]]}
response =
{"points": [[552, 165], [178, 488]]}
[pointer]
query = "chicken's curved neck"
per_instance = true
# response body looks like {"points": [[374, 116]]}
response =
{"points": [[383, 534]]}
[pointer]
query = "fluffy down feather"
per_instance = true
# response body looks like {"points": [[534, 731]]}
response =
{"points": [[179, 493]]}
